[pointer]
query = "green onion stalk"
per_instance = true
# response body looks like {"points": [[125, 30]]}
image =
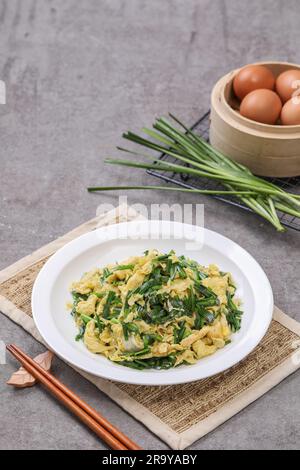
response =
{"points": [[195, 156]]}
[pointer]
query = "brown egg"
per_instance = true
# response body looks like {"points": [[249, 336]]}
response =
{"points": [[252, 77], [287, 83], [290, 114], [261, 106]]}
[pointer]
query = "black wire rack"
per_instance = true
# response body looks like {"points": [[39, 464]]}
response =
{"points": [[190, 182]]}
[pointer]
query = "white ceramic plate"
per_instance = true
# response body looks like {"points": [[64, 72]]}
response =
{"points": [[103, 246]]}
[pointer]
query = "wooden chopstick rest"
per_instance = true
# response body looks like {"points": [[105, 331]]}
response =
{"points": [[22, 378]]}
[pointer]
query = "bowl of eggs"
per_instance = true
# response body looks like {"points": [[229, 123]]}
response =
{"points": [[255, 118]]}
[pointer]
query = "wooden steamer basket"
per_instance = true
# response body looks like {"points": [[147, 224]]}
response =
{"points": [[266, 150]]}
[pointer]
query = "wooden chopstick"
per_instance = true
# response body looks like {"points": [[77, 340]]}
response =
{"points": [[76, 399], [103, 428]]}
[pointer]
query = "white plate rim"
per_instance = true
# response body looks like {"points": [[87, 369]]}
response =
{"points": [[148, 377]]}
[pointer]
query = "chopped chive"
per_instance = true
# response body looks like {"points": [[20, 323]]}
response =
{"points": [[136, 353], [208, 302], [106, 309], [85, 318], [179, 332], [100, 295], [129, 328], [233, 315], [123, 267], [99, 323]]}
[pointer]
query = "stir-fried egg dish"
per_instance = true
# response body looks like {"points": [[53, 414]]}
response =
{"points": [[156, 310]]}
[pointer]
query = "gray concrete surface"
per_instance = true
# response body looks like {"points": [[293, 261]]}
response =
{"points": [[78, 73]]}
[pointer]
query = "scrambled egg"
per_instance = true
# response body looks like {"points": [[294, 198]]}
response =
{"points": [[156, 310]]}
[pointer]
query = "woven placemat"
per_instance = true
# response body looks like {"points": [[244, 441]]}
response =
{"points": [[179, 414]]}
